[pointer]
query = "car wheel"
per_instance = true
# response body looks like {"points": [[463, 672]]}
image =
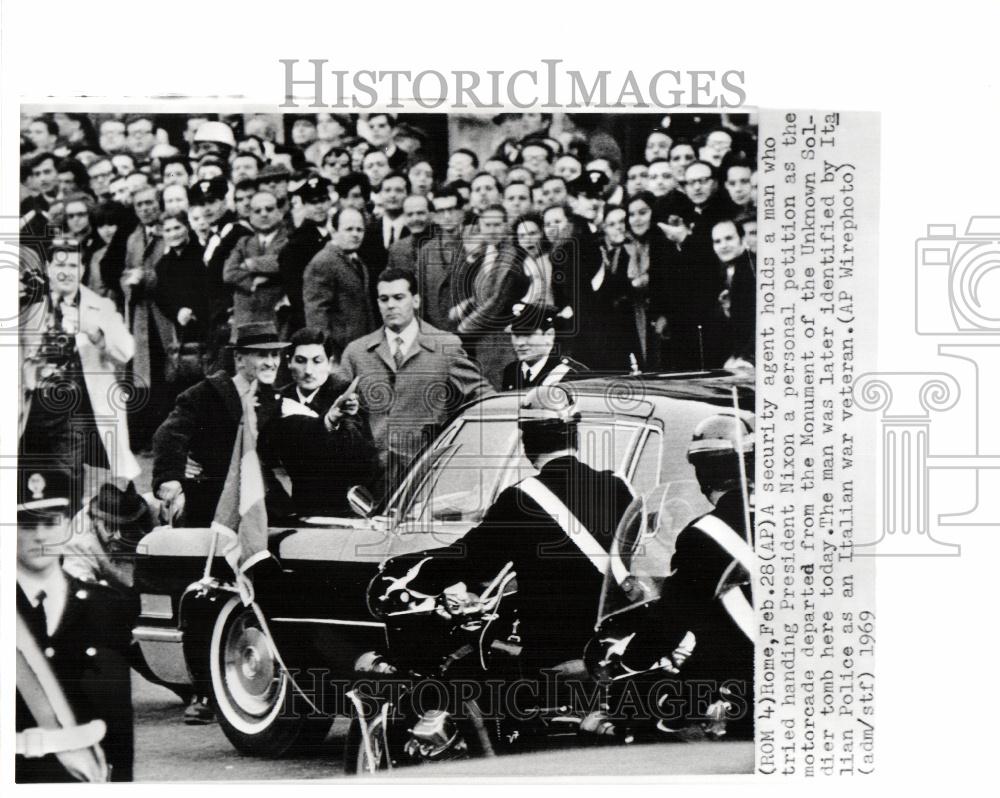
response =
{"points": [[253, 696]]}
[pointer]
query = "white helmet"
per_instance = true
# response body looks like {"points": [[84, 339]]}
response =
{"points": [[215, 132]]}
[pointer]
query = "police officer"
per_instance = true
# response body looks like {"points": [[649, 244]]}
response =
{"points": [[303, 243], [556, 528], [224, 232], [705, 614], [74, 695], [533, 338]]}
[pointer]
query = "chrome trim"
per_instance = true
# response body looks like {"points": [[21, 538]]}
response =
{"points": [[156, 635], [329, 621]]}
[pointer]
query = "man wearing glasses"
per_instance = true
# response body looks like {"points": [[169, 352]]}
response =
{"points": [[252, 269]]}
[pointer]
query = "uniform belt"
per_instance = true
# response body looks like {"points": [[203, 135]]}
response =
{"points": [[35, 743]]}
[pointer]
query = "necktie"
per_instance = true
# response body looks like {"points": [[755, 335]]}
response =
{"points": [[37, 620], [526, 373], [398, 355]]}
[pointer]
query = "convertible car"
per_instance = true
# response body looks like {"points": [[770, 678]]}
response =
{"points": [[194, 627]]}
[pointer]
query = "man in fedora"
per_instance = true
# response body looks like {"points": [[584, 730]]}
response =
{"points": [[202, 426], [105, 535], [533, 338]]}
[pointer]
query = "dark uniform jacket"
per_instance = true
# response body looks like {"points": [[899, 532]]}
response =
{"points": [[224, 236], [322, 465], [89, 655], [514, 378], [203, 424], [303, 244], [558, 587], [689, 602]]}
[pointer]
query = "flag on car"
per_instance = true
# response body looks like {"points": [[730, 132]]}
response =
{"points": [[241, 517]]}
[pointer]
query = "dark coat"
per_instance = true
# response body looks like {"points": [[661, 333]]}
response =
{"points": [[203, 425], [337, 296], [404, 252], [438, 261], [513, 375], [181, 282], [303, 245], [689, 602], [558, 587], [224, 236], [322, 465], [89, 655]]}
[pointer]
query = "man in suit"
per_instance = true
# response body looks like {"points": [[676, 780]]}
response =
{"points": [[143, 250], [74, 346], [416, 217], [381, 233], [303, 244], [202, 426], [252, 268], [335, 287], [413, 376], [76, 726], [326, 457], [533, 336]]}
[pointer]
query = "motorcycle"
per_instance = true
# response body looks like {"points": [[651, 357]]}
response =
{"points": [[449, 690], [454, 682]]}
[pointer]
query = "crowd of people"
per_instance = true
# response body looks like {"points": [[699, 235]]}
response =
{"points": [[351, 284], [179, 230]]}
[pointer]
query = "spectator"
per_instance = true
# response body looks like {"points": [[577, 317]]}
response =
{"points": [[336, 292], [336, 165], [143, 250], [416, 218], [421, 175], [112, 136], [440, 257], [657, 145], [252, 269], [485, 288], [382, 232]]}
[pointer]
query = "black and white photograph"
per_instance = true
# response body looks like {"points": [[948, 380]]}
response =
{"points": [[364, 443]]}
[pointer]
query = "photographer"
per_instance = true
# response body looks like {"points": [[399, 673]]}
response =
{"points": [[74, 345]]}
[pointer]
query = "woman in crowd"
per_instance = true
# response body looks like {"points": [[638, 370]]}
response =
{"points": [[530, 236], [649, 270]]}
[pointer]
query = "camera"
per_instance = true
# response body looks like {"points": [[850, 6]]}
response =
{"points": [[958, 279]]}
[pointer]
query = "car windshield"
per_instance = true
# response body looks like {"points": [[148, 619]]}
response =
{"points": [[456, 481]]}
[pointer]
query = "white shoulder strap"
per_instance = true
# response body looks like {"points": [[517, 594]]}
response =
{"points": [[733, 600], [728, 538], [556, 374], [573, 527]]}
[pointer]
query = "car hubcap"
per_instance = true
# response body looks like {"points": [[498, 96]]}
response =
{"points": [[251, 674]]}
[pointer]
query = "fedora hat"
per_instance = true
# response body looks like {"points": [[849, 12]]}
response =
{"points": [[257, 335]]}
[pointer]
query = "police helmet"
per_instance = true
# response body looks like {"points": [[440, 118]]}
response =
{"points": [[714, 445]]}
